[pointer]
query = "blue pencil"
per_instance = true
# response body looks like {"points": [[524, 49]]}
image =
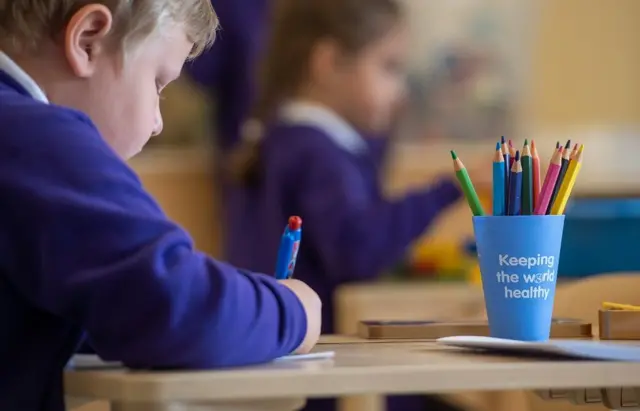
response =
{"points": [[506, 157], [515, 186], [499, 184]]}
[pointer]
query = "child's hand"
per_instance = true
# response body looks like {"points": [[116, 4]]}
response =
{"points": [[312, 307]]}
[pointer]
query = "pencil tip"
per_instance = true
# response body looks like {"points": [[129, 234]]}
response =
{"points": [[510, 143], [568, 145], [502, 140], [526, 142], [581, 148], [497, 146], [576, 146], [454, 155], [517, 155], [557, 144]]}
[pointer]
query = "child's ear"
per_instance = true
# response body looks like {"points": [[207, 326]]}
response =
{"points": [[86, 37], [324, 61]]}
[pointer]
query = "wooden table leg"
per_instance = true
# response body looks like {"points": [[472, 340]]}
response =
{"points": [[289, 404]]}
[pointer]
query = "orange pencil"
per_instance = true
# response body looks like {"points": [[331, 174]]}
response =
{"points": [[549, 183], [512, 154], [535, 165]]}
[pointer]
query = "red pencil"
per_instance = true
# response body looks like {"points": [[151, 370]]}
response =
{"points": [[549, 183], [535, 165]]}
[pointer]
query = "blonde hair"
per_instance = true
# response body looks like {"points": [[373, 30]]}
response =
{"points": [[26, 24]]}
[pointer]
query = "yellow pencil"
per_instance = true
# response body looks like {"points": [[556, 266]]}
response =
{"points": [[568, 182], [616, 306]]}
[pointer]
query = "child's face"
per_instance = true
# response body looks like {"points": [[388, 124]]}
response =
{"points": [[121, 93], [374, 86], [128, 112]]}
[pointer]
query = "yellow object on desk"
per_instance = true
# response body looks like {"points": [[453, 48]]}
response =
{"points": [[623, 307], [475, 277], [442, 255]]}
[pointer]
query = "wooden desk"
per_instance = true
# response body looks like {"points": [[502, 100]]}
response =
{"points": [[421, 300], [357, 369]]}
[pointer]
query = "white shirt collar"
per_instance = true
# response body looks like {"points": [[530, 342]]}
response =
{"points": [[21, 77], [325, 119]]}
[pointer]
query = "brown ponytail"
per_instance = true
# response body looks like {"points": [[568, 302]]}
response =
{"points": [[297, 26]]}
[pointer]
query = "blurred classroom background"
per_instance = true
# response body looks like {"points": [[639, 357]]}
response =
{"points": [[544, 70], [548, 70]]}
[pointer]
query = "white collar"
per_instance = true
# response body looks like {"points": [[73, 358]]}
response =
{"points": [[21, 77], [325, 119]]}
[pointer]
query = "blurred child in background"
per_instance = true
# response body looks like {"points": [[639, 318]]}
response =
{"points": [[333, 75], [227, 74]]}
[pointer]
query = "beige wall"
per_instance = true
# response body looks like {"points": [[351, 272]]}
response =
{"points": [[586, 64]]}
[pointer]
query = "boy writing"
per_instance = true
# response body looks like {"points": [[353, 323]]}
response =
{"points": [[83, 248]]}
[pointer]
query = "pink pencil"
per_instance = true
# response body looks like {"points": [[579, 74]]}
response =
{"points": [[549, 183]]}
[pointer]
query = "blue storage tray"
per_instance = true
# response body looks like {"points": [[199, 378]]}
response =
{"points": [[600, 236]]}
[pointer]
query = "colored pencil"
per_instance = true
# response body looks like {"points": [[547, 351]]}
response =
{"points": [[506, 156], [499, 186], [512, 154], [515, 186], [566, 154], [622, 307], [568, 146], [535, 164], [466, 185], [574, 152], [568, 182], [549, 183], [527, 180], [557, 145]]}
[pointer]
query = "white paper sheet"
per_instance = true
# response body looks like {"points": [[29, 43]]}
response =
{"points": [[320, 355], [583, 349]]}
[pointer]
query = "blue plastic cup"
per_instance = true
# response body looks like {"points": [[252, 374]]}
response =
{"points": [[518, 258]]}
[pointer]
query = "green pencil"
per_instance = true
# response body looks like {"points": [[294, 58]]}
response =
{"points": [[527, 180], [467, 186]]}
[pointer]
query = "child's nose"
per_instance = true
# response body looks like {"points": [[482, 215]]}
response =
{"points": [[158, 125]]}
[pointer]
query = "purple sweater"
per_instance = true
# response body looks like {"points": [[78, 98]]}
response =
{"points": [[350, 231], [84, 248], [228, 69]]}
